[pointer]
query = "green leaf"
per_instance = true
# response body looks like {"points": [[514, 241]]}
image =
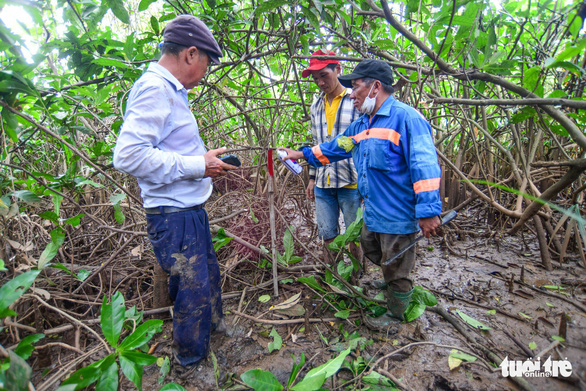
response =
{"points": [[132, 370], [523, 114], [48, 254], [141, 335], [420, 300], [172, 387], [310, 383], [58, 236], [83, 377], [155, 25], [110, 62], [277, 342], [144, 4], [471, 321], [531, 78], [252, 216], [462, 356], [525, 316], [221, 240], [558, 338], [288, 244], [13, 289], [414, 310], [260, 380], [572, 50], [27, 196], [117, 198], [68, 387], [165, 368], [269, 5], [132, 316], [117, 7], [25, 347], [374, 378], [264, 298], [139, 358], [568, 66], [74, 221], [423, 296], [49, 215], [83, 274], [558, 94], [18, 374], [108, 380], [60, 266], [89, 183], [351, 234], [532, 345], [318, 375], [344, 314], [311, 282], [118, 215], [296, 368], [554, 287], [311, 16], [112, 318], [491, 312]]}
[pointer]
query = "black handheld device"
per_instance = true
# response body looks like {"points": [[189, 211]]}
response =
{"points": [[231, 159]]}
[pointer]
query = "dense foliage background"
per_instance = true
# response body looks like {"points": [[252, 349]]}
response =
{"points": [[501, 83]]}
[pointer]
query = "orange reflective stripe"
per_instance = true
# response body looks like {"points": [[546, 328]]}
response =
{"points": [[379, 133], [426, 185], [319, 155]]}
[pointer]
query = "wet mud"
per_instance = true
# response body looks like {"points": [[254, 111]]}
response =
{"points": [[497, 281]]}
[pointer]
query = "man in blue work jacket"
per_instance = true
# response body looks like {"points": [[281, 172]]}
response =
{"points": [[398, 177], [160, 145]]}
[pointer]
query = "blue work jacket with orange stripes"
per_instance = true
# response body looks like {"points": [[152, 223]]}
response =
{"points": [[397, 166]]}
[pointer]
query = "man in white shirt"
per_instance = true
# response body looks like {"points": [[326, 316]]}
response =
{"points": [[160, 145]]}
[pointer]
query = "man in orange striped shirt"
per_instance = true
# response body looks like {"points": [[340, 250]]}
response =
{"points": [[398, 177]]}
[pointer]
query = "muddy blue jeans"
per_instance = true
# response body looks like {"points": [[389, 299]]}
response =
{"points": [[183, 246], [328, 203]]}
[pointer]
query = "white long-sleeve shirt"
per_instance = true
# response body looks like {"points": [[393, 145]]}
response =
{"points": [[159, 143]]}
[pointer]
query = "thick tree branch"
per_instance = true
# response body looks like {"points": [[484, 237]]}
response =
{"points": [[573, 173], [577, 104], [575, 132]]}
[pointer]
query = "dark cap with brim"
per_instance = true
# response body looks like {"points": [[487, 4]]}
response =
{"points": [[372, 69], [187, 30]]}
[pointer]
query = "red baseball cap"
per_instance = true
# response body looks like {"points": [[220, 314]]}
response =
{"points": [[316, 65]]}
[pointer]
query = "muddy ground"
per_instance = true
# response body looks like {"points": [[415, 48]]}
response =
{"points": [[473, 268], [469, 269]]}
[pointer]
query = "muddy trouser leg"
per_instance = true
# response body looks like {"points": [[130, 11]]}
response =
{"points": [[182, 244], [378, 248], [215, 280]]}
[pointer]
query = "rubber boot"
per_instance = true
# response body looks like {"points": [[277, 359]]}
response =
{"points": [[398, 303], [390, 321]]}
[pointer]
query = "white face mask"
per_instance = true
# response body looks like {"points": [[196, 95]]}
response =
{"points": [[369, 103]]}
